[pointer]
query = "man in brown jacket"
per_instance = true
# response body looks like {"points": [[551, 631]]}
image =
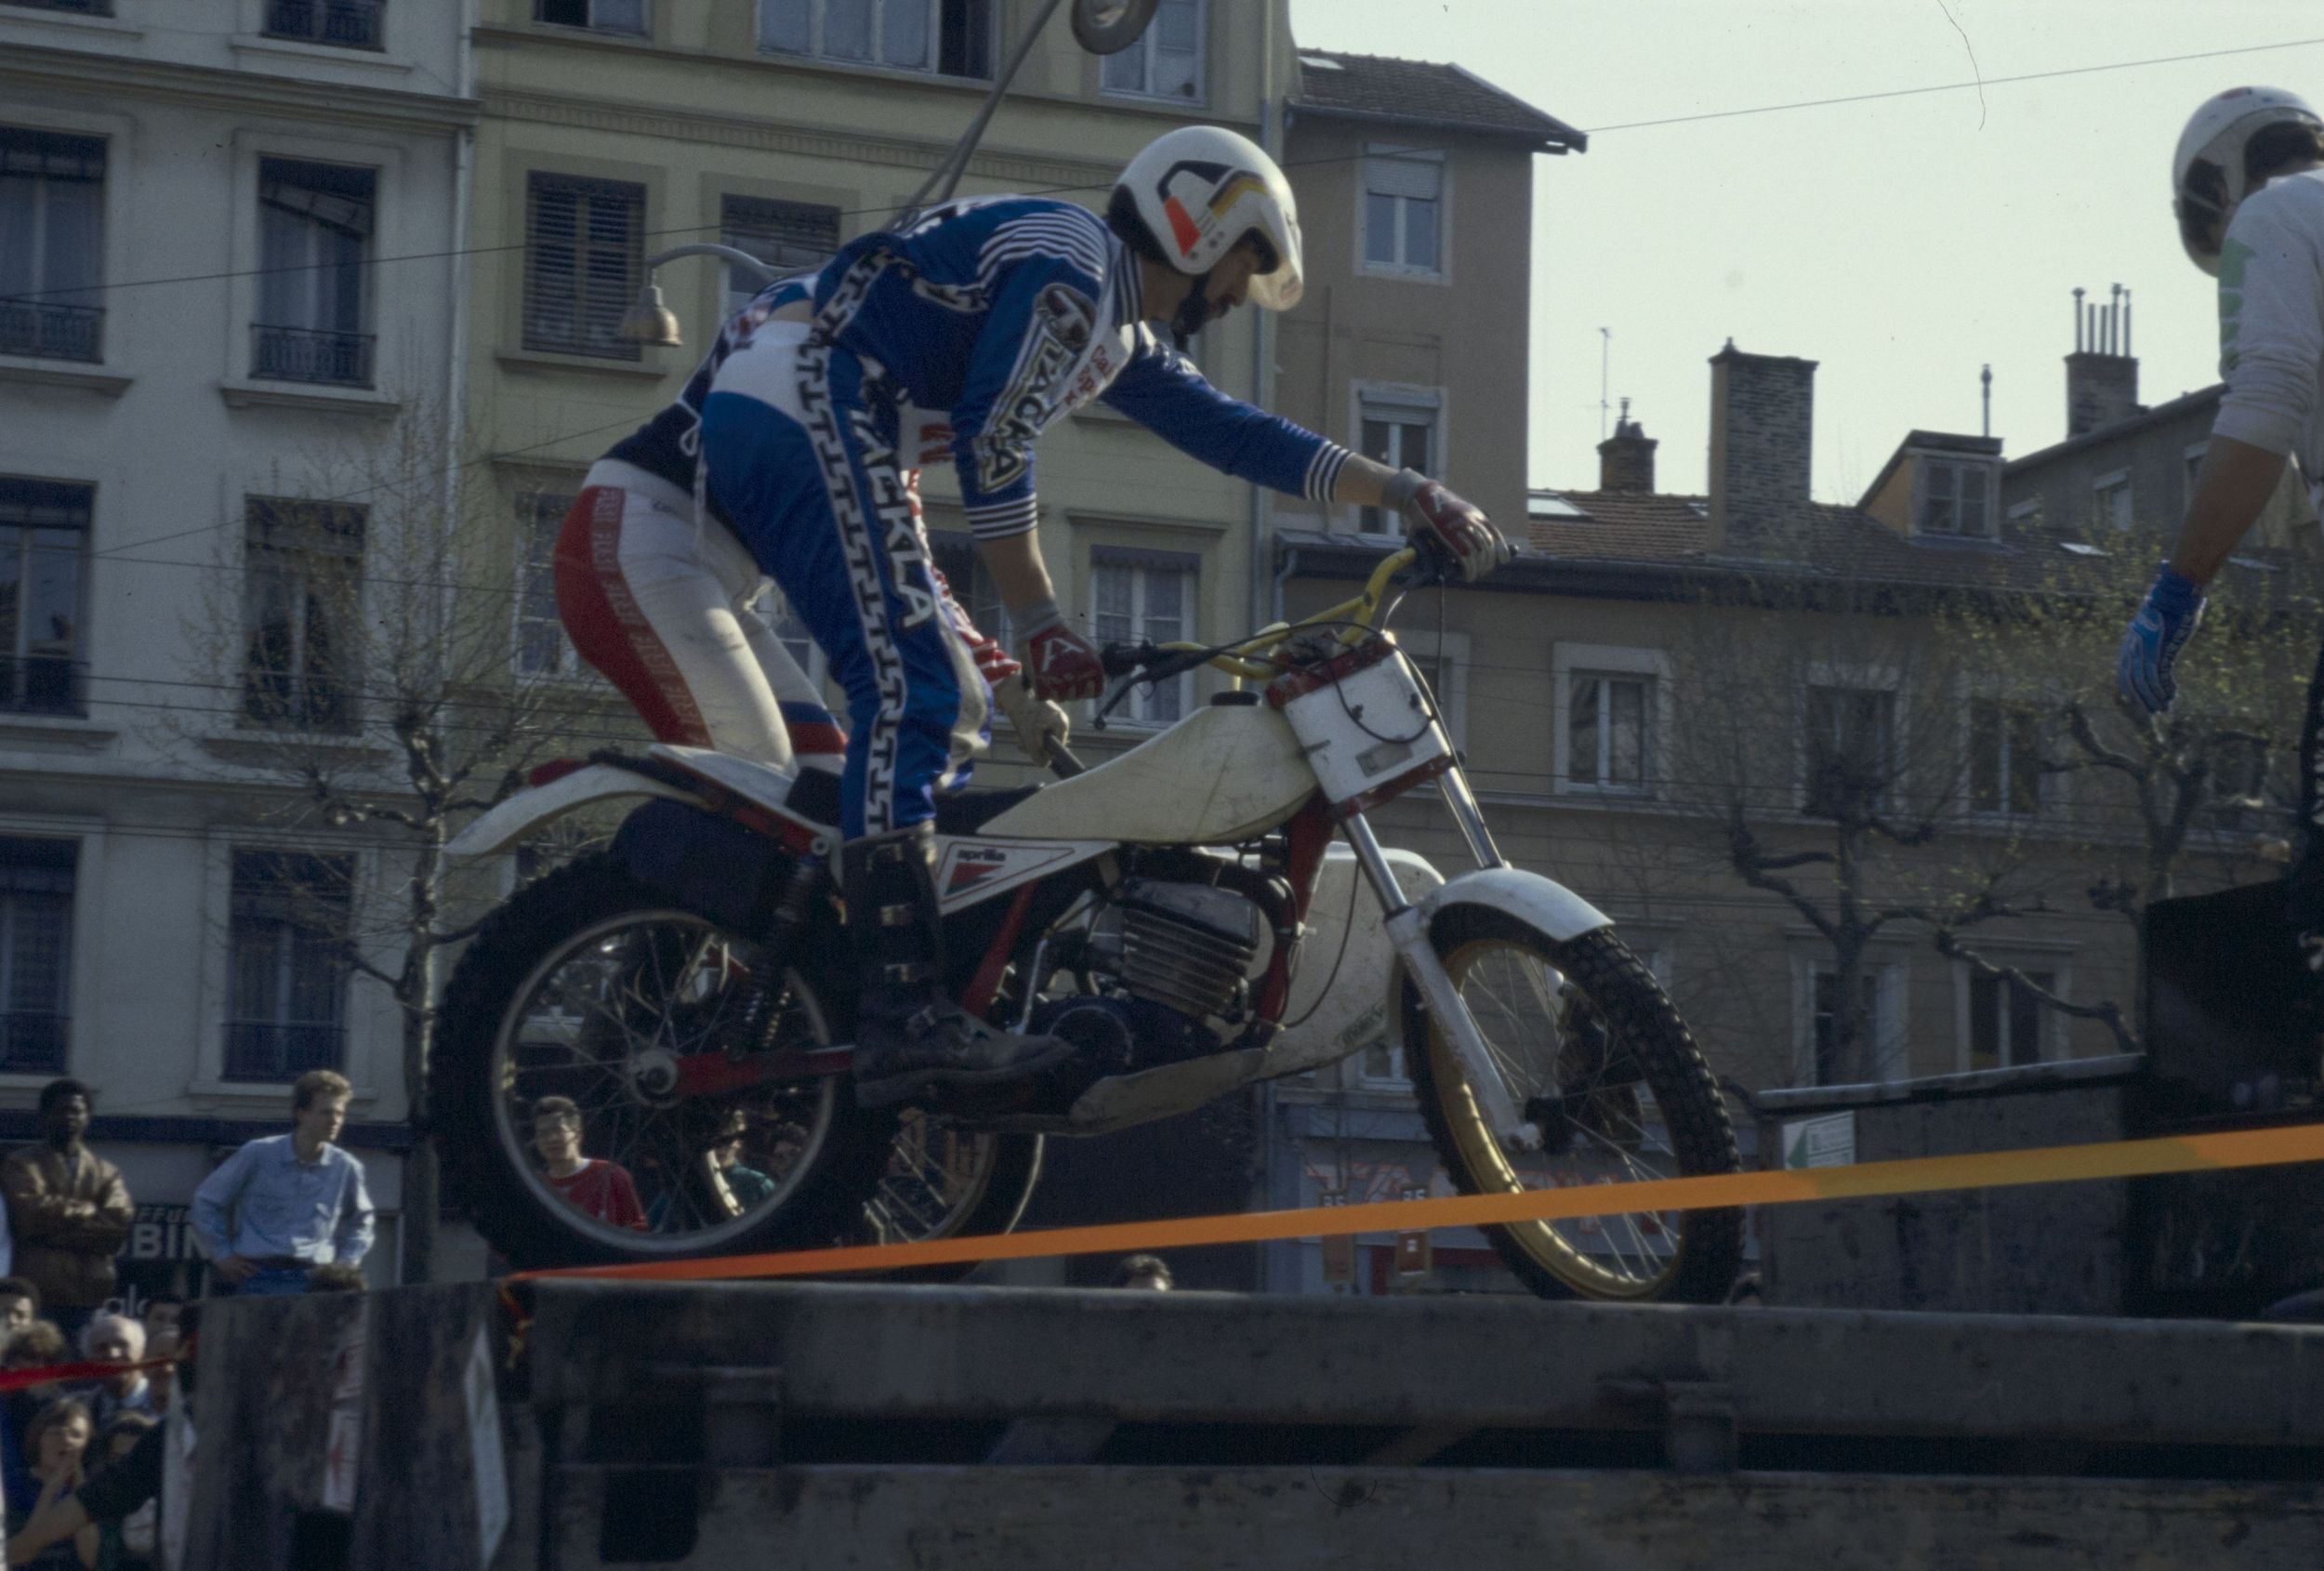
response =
{"points": [[67, 1209]]}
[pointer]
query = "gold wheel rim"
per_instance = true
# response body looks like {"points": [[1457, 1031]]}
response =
{"points": [[1502, 1001]]}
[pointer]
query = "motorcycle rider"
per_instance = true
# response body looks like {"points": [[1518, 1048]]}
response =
{"points": [[975, 325], [2248, 186], [659, 595]]}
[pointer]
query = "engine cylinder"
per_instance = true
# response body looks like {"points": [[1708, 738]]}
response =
{"points": [[1187, 945]]}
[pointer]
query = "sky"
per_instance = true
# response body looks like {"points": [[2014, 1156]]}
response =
{"points": [[1902, 243]]}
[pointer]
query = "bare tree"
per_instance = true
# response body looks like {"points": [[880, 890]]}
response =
{"points": [[379, 631], [2145, 800], [1821, 735]]}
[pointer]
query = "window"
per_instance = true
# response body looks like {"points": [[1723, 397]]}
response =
{"points": [[792, 630], [956, 558], [1404, 202], [2191, 460], [948, 37], [1609, 731], [2238, 781], [2004, 758], [601, 16], [585, 243], [1400, 433], [1145, 594], [35, 954], [2111, 497], [785, 235], [44, 543], [1956, 498], [1881, 1054], [1166, 62], [348, 24], [1851, 749], [302, 594], [315, 238], [2005, 1020], [288, 965], [542, 648], [52, 195]]}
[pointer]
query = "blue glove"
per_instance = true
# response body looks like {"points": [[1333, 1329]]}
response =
{"points": [[2162, 626]]}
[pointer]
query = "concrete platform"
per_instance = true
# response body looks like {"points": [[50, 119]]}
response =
{"points": [[836, 1424]]}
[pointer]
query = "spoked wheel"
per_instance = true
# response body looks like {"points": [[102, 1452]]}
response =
{"points": [[944, 1182], [1583, 1023], [654, 1024]]}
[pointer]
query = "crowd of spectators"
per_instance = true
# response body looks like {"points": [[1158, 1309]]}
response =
{"points": [[82, 1460]]}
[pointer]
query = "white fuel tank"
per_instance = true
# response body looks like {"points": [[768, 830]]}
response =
{"points": [[1224, 774]]}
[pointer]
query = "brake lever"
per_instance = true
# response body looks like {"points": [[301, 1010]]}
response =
{"points": [[1112, 696]]}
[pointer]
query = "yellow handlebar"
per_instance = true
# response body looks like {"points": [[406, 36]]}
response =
{"points": [[1357, 616]]}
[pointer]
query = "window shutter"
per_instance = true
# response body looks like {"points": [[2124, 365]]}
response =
{"points": [[1392, 176]]}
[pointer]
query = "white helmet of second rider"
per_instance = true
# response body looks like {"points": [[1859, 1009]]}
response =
{"points": [[1202, 188], [2207, 173]]}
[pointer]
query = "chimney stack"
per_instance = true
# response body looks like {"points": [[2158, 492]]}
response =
{"points": [[1763, 416], [2102, 374], [1626, 459]]}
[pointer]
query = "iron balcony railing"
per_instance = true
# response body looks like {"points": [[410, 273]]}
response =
{"points": [[303, 354], [32, 1041], [348, 24], [43, 684], [51, 330], [265, 1050]]}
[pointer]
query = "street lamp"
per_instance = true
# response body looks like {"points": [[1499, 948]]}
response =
{"points": [[651, 321]]}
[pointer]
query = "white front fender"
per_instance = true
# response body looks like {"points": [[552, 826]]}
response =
{"points": [[527, 811], [1532, 899]]}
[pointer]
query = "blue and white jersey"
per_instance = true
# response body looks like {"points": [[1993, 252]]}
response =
{"points": [[983, 321], [669, 444]]}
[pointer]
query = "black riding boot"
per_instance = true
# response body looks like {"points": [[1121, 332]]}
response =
{"points": [[909, 1037]]}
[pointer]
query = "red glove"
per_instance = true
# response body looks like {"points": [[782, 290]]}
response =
{"points": [[1063, 664], [993, 663], [1458, 528]]}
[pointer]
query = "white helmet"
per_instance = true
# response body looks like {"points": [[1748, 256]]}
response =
{"points": [[1202, 188], [2207, 177]]}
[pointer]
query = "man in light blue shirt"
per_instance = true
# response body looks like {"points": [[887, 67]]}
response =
{"points": [[281, 1206]]}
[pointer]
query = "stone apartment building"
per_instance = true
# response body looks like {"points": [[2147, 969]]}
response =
{"points": [[615, 129], [1605, 686], [1416, 186], [2125, 469], [230, 238]]}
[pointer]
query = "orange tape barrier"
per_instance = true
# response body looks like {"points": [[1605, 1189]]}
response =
{"points": [[1995, 1169]]}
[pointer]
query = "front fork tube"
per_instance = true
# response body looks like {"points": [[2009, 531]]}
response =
{"points": [[1454, 787], [1409, 933]]}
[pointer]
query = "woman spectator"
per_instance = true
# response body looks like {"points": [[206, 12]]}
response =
{"points": [[55, 1445]]}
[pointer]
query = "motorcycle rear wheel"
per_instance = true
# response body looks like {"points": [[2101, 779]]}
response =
{"points": [[1586, 1020], [949, 1184], [590, 984]]}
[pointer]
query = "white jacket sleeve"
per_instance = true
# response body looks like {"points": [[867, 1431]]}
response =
{"points": [[2271, 315]]}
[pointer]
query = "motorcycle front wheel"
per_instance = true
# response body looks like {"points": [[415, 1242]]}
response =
{"points": [[590, 985], [1582, 1028]]}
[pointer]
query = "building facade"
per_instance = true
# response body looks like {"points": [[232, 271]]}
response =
{"points": [[615, 131], [230, 280], [1416, 187]]}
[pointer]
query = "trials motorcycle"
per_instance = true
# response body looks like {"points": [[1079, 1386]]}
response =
{"points": [[1210, 909]]}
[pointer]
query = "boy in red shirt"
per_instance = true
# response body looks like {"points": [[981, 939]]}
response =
{"points": [[595, 1186]]}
